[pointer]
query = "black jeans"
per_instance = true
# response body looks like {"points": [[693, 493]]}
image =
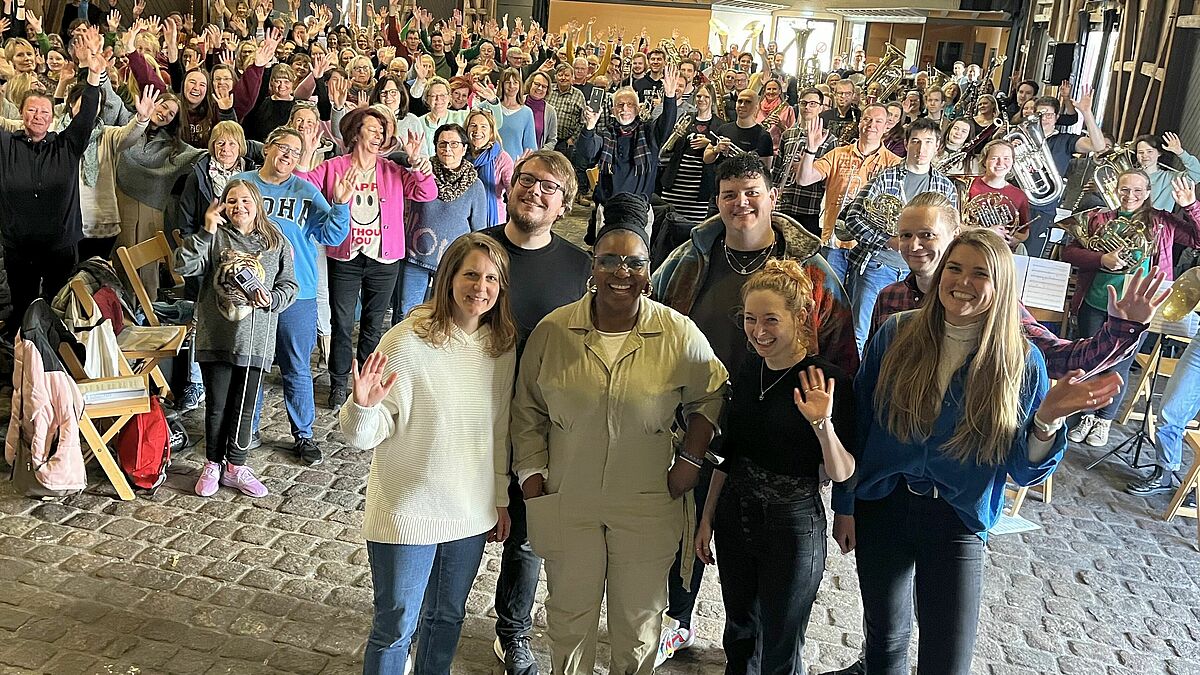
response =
{"points": [[906, 538], [228, 400], [376, 282], [681, 601], [1090, 320], [519, 570], [771, 558], [35, 272], [98, 247]]}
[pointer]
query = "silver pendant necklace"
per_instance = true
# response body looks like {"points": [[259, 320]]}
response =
{"points": [[762, 392], [752, 265]]}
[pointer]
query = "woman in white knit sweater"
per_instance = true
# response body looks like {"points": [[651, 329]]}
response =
{"points": [[433, 401]]}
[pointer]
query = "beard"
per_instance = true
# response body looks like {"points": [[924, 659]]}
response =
{"points": [[526, 224]]}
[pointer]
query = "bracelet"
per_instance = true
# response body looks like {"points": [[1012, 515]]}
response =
{"points": [[690, 458], [820, 423], [1045, 428], [810, 152]]}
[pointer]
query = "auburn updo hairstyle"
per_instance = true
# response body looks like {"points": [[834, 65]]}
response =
{"points": [[788, 280]]}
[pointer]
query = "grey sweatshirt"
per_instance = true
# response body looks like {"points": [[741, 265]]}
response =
{"points": [[218, 338]]}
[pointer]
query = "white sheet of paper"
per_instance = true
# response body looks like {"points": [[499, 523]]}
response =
{"points": [[1042, 283], [1185, 327]]}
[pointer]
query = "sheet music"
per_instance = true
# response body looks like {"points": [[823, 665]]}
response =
{"points": [[1185, 327], [1042, 283]]}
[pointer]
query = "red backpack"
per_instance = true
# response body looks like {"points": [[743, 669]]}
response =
{"points": [[144, 448]]}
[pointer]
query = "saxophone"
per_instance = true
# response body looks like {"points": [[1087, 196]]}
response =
{"points": [[680, 130], [772, 117], [626, 67]]}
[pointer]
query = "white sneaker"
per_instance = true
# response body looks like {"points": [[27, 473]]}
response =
{"points": [[1098, 436], [674, 638], [1079, 432]]}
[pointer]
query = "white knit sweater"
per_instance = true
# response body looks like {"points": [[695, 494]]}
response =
{"points": [[440, 436]]}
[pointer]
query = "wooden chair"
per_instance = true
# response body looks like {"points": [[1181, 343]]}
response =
{"points": [[149, 345], [1190, 484]]}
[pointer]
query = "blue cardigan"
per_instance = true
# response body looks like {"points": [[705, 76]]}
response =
{"points": [[975, 491], [517, 132]]}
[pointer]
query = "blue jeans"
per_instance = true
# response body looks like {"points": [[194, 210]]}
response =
{"points": [[772, 558], [426, 581], [412, 287], [866, 287], [1180, 403], [1090, 320], [839, 260], [295, 340]]}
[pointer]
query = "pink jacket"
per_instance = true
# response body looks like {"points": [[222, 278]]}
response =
{"points": [[396, 184], [46, 407]]}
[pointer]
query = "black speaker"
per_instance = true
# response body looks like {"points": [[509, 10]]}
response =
{"points": [[1060, 62]]}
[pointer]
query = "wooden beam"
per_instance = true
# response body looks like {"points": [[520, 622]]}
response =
{"points": [[1166, 63], [1137, 34], [1164, 42], [1188, 21]]}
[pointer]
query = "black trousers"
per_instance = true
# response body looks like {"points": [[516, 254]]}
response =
{"points": [[228, 410], [519, 570], [35, 272], [375, 282], [912, 547], [98, 247]]}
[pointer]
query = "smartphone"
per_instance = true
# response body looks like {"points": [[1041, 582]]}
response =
{"points": [[249, 283], [596, 100]]}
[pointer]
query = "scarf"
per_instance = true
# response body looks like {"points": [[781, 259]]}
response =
{"points": [[89, 169], [610, 135], [453, 184], [220, 177], [485, 167], [539, 117]]}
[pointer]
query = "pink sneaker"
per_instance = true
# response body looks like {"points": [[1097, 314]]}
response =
{"points": [[242, 478], [209, 481]]}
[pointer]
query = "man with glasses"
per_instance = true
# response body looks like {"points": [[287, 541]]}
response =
{"points": [[545, 272], [703, 279], [304, 216], [802, 202], [844, 111]]}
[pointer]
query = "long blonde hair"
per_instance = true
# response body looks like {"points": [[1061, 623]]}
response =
{"points": [[435, 318], [907, 397]]}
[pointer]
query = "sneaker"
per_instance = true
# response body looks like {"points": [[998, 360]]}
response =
{"points": [[1190, 501], [1098, 435], [337, 397], [856, 668], [191, 398], [675, 637], [516, 655], [242, 478], [255, 441], [1159, 481], [210, 479], [308, 451], [1080, 431]]}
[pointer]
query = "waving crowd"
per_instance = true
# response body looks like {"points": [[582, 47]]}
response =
{"points": [[795, 279]]}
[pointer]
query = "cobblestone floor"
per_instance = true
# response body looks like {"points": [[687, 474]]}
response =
{"points": [[180, 584]]}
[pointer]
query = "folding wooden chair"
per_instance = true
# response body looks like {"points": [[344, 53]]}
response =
{"points": [[149, 345], [1190, 484]]}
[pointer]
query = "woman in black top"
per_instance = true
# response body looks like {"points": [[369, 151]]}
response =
{"points": [[764, 501]]}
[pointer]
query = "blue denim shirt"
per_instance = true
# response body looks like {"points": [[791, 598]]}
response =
{"points": [[975, 491]]}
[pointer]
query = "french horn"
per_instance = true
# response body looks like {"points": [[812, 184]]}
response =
{"points": [[883, 210], [1132, 236], [993, 211]]}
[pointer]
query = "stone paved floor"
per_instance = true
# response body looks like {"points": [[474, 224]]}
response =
{"points": [[180, 584]]}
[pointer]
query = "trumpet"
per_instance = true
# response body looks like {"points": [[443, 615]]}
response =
{"points": [[788, 177], [1033, 165], [734, 150], [681, 129], [1185, 295]]}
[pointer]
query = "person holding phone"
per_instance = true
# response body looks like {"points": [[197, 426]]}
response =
{"points": [[249, 279]]}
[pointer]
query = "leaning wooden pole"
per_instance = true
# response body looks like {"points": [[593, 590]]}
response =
{"points": [[1136, 58], [1162, 85]]}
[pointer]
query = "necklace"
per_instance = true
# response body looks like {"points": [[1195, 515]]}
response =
{"points": [[762, 392], [758, 260]]}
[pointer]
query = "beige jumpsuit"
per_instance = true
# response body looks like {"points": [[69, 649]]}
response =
{"points": [[601, 432]]}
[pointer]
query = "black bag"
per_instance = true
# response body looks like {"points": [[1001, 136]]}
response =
{"points": [[669, 231]]}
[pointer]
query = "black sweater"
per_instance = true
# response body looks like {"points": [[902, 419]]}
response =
{"points": [[39, 182]]}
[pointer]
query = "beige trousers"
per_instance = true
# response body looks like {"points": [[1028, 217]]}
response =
{"points": [[140, 222], [622, 546]]}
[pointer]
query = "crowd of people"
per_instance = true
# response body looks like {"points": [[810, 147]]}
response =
{"points": [[382, 190]]}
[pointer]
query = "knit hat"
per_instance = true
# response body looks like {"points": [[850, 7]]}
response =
{"points": [[625, 211]]}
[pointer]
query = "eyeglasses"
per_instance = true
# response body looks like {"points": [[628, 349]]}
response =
{"points": [[610, 263], [1134, 192], [287, 151], [810, 104], [528, 180], [364, 69], [389, 93], [449, 145]]}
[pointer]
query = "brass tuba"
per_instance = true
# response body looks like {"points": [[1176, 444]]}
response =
{"points": [[1109, 167], [890, 73], [1033, 165], [755, 29], [1132, 235], [721, 30], [805, 76]]}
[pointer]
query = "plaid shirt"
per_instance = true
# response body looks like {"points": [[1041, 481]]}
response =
{"points": [[891, 182], [1116, 340], [798, 200], [569, 107]]}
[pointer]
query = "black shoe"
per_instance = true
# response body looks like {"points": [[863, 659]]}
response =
{"points": [[1190, 501], [337, 397], [308, 451], [1158, 482], [518, 657], [856, 668]]}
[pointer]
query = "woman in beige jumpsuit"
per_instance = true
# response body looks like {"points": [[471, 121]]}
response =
{"points": [[599, 385]]}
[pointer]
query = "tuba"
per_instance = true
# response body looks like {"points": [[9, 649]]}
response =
{"points": [[755, 29], [890, 73], [1033, 166], [671, 51], [721, 30], [805, 76], [1109, 166], [1133, 235], [936, 78]]}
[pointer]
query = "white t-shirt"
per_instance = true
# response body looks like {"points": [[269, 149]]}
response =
{"points": [[365, 217]]}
